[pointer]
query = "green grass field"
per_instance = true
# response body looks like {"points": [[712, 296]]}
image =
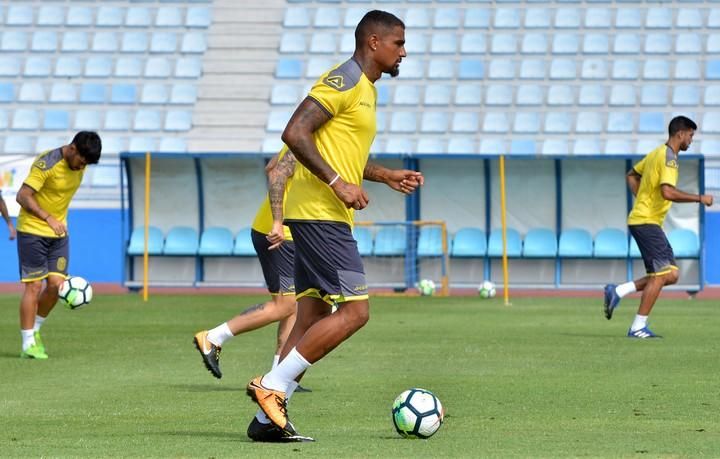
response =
{"points": [[542, 378]]}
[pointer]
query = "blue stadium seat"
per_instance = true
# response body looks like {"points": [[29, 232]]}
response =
{"points": [[137, 241], [414, 18], [529, 96], [277, 120], [651, 123], [653, 95], [79, 16], [470, 70], [713, 21], [317, 66], [405, 122], [413, 69], [95, 67], [172, 145], [105, 42], [109, 16], [441, 69], [596, 43], [713, 44], [121, 93], [143, 144], [443, 43], [477, 18], [117, 120], [134, 42], [659, 18], [383, 94], [622, 95], [598, 18], [104, 175], [44, 41], [656, 69], [557, 123], [620, 122], [492, 147], [56, 120], [711, 122], [712, 70], [495, 243], [434, 122], [634, 249], [447, 18], [496, 123], [181, 240], [128, 67], [381, 121], [114, 145], [92, 93], [45, 143], [567, 18], [562, 69], [430, 242], [271, 144], [320, 43], [688, 43], [526, 123], [193, 42], [712, 96], [434, 146], [555, 147], [296, 17], [189, 67], [347, 43], [406, 95], [327, 17], [523, 147], [415, 43], [285, 94], [540, 243], [656, 43], [685, 243], [138, 16], [591, 95], [565, 43], [399, 145], [710, 148], [625, 70], [618, 146], [575, 243], [469, 243], [88, 120], [354, 15], [687, 96], [50, 15], [534, 43], [7, 92], [177, 120], [465, 122], [468, 94], [35, 66], [13, 40], [25, 119], [611, 243], [532, 70], [19, 15], [501, 69], [198, 17], [216, 241], [390, 241], [626, 43], [163, 42], [364, 239], [560, 95], [435, 94], [628, 18], [503, 44], [168, 16], [537, 18], [689, 18], [32, 93], [157, 67], [586, 147], [461, 145], [506, 18], [498, 95], [687, 69], [18, 144], [154, 93]]}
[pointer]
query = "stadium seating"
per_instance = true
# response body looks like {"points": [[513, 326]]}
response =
{"points": [[540, 243], [181, 241], [575, 243], [685, 243], [216, 241], [243, 244], [364, 239], [430, 242], [390, 241], [611, 243], [137, 241], [495, 243]]}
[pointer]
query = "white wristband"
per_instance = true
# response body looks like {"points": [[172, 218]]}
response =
{"points": [[334, 180]]}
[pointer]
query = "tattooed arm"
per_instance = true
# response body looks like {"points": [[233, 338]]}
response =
{"points": [[277, 179], [298, 135]]}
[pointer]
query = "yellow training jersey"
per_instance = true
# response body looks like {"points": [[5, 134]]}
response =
{"points": [[659, 167], [264, 219], [349, 99], [55, 185]]}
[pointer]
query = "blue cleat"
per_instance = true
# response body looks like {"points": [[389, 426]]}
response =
{"points": [[612, 299], [643, 333]]}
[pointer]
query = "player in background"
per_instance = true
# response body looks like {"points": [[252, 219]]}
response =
{"points": [[275, 250], [43, 240], [330, 134], [653, 182], [6, 216]]}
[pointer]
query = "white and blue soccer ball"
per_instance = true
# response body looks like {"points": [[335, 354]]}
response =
{"points": [[75, 292], [487, 290], [426, 287], [417, 413]]}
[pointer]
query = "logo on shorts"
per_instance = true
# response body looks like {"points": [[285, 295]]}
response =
{"points": [[61, 264]]}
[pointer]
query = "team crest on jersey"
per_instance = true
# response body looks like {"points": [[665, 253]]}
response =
{"points": [[40, 164], [336, 81], [672, 163]]}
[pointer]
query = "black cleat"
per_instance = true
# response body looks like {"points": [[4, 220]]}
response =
{"points": [[270, 433], [302, 389], [210, 353]]}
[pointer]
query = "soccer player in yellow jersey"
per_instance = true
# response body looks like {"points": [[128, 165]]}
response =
{"points": [[6, 217], [43, 240], [330, 134], [653, 182]]}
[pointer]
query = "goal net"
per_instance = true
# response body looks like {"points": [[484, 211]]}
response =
{"points": [[399, 254]]}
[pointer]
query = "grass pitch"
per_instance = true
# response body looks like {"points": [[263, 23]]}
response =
{"points": [[542, 378]]}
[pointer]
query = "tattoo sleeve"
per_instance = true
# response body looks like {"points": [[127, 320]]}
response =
{"points": [[277, 179], [298, 135], [374, 172]]}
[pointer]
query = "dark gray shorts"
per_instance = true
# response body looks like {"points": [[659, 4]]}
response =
{"points": [[654, 247], [41, 256], [327, 262], [277, 264]]}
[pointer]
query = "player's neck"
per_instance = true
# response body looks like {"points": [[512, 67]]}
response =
{"points": [[673, 146], [368, 67]]}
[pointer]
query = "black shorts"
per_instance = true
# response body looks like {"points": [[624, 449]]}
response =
{"points": [[277, 264], [41, 256], [655, 249], [327, 262]]}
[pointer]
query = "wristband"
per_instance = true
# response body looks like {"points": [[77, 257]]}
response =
{"points": [[334, 180]]}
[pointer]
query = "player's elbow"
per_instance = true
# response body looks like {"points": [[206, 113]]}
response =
{"points": [[667, 192]]}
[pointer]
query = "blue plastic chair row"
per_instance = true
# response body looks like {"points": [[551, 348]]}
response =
{"points": [[465, 69], [27, 119], [184, 241], [105, 42], [96, 93], [100, 67], [22, 144], [107, 16]]}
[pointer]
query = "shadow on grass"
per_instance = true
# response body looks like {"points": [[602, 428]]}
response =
{"points": [[8, 355], [206, 388], [235, 436]]}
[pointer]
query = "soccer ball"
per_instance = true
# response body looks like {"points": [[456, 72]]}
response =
{"points": [[417, 413], [426, 287], [75, 292], [487, 290]]}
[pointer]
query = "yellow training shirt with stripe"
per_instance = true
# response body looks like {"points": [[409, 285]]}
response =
{"points": [[658, 167]]}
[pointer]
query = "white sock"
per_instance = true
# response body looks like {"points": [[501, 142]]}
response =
{"points": [[28, 338], [276, 360], [220, 334], [38, 322], [625, 289], [639, 322], [291, 366], [260, 415]]}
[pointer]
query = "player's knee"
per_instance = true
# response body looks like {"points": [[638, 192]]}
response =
{"points": [[358, 315], [672, 277], [33, 288]]}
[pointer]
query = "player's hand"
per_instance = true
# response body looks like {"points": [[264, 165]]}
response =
{"points": [[350, 194], [57, 227], [276, 236], [405, 181], [706, 199], [11, 230]]}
